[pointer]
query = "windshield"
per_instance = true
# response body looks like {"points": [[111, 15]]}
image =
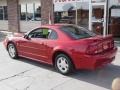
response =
{"points": [[77, 32]]}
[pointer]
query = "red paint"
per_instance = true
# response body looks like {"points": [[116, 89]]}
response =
{"points": [[88, 53]]}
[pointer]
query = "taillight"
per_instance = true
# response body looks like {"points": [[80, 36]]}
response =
{"points": [[100, 47], [91, 50], [112, 44], [94, 49]]}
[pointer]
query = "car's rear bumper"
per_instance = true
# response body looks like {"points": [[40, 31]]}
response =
{"points": [[92, 62]]}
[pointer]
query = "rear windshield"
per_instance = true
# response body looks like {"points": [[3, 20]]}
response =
{"points": [[77, 32]]}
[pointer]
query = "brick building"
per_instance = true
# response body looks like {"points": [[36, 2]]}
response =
{"points": [[24, 15]]}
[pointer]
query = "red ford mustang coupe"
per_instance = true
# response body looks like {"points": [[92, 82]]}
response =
{"points": [[66, 47]]}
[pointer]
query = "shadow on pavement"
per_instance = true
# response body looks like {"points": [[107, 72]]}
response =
{"points": [[36, 63], [102, 77]]}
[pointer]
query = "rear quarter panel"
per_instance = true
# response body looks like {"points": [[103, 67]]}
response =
{"points": [[75, 49]]}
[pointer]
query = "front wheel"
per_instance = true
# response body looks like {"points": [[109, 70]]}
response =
{"points": [[12, 51], [63, 64]]}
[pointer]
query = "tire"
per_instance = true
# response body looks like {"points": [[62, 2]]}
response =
{"points": [[63, 64], [12, 51]]}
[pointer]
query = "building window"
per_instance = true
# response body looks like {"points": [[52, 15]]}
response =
{"points": [[30, 12], [3, 13], [37, 12], [72, 13], [23, 12]]}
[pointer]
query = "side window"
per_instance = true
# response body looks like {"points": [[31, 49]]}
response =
{"points": [[37, 33], [40, 33], [53, 35]]}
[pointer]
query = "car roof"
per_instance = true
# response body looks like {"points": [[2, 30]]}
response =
{"points": [[53, 26], [57, 27]]}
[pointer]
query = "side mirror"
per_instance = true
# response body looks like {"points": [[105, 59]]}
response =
{"points": [[26, 37]]}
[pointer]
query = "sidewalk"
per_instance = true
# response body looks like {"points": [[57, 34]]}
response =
{"points": [[5, 33]]}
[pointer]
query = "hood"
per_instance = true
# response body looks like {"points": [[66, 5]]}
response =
{"points": [[18, 34]]}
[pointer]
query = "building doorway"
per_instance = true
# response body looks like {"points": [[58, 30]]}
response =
{"points": [[114, 21]]}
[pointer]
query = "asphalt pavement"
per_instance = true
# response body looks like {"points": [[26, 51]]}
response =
{"points": [[25, 74]]}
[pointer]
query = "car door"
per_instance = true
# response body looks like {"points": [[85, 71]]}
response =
{"points": [[48, 44], [33, 46]]}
